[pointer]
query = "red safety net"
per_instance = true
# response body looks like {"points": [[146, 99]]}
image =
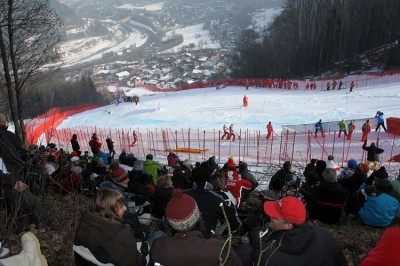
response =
{"points": [[48, 122]]}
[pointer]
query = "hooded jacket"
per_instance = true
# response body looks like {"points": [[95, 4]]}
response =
{"points": [[373, 152], [109, 242], [303, 245], [152, 168]]}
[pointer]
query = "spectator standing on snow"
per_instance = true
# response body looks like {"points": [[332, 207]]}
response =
{"points": [[366, 129], [381, 120], [352, 127], [95, 144], [342, 128], [334, 84], [340, 85], [75, 144], [352, 85], [319, 127], [110, 146], [270, 130], [226, 132], [328, 85], [373, 154]]}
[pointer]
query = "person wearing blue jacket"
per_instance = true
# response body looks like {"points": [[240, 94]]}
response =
{"points": [[381, 120], [319, 127], [379, 202]]}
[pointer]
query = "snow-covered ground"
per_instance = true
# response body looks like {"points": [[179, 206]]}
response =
{"points": [[263, 17], [209, 109], [194, 34]]}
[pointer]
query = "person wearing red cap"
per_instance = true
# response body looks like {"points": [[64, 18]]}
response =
{"points": [[292, 240], [188, 246]]}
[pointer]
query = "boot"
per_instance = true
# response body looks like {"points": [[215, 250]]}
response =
{"points": [[30, 254]]}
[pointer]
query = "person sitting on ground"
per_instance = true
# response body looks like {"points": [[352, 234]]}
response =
{"points": [[30, 255], [275, 193], [182, 176], [331, 164], [310, 167], [353, 183], [245, 174], [66, 180], [240, 188], [102, 232], [209, 204], [396, 187], [140, 184], [378, 202], [123, 157], [292, 240], [282, 173], [152, 168], [326, 201], [347, 171], [172, 158], [385, 252], [162, 195], [184, 216]]}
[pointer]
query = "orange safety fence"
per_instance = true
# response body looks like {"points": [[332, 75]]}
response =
{"points": [[48, 122]]}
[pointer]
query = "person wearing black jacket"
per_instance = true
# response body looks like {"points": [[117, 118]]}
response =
{"points": [[209, 204], [372, 154], [75, 144], [13, 181], [292, 240], [281, 173]]}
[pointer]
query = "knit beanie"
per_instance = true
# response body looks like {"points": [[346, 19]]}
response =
{"points": [[119, 174], [138, 165], [381, 173], [182, 212], [352, 163], [362, 168]]}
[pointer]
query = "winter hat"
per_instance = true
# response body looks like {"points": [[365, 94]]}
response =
{"points": [[331, 157], [231, 163], [75, 160], [74, 153], [362, 168], [381, 173], [187, 163], [330, 175], [289, 208], [182, 211], [138, 165], [352, 163], [243, 166], [119, 174]]}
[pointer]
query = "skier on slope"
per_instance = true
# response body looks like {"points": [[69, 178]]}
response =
{"points": [[134, 138], [245, 101], [366, 129], [226, 132], [270, 130], [351, 127], [232, 135]]}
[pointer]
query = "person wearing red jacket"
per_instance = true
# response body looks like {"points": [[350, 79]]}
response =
{"points": [[245, 101], [240, 188], [95, 144], [366, 129], [270, 130], [134, 138], [351, 128]]}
